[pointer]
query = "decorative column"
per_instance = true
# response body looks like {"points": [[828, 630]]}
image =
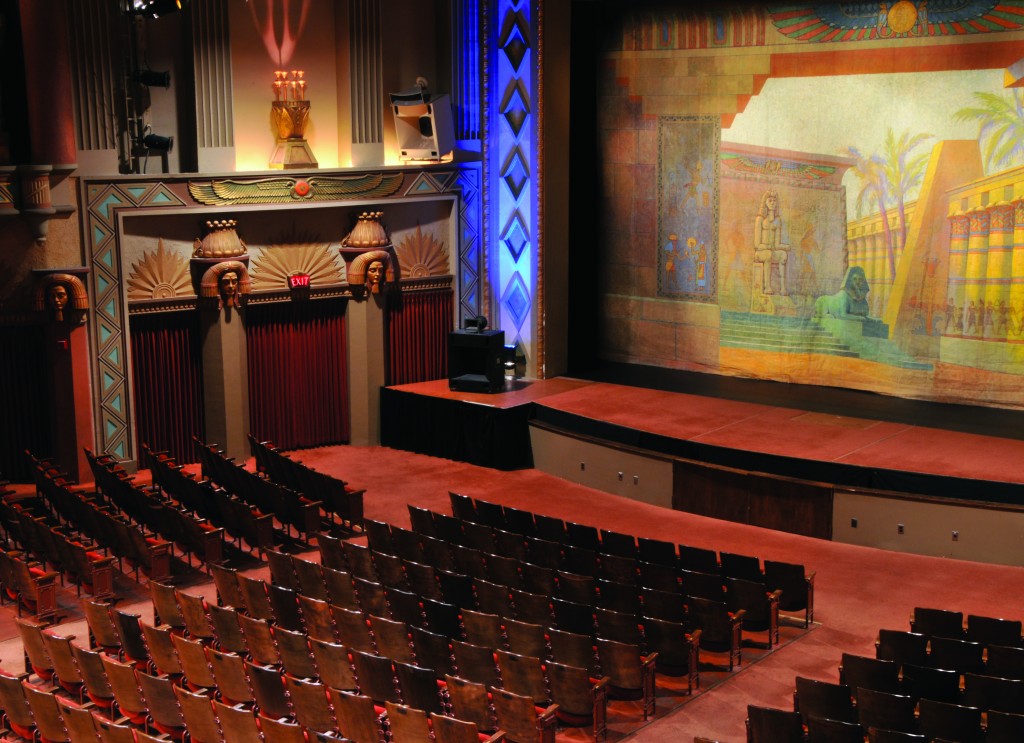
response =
{"points": [[1016, 300], [997, 270], [220, 267], [367, 82], [97, 69], [959, 234], [369, 258], [211, 65], [50, 110], [974, 277], [60, 294]]}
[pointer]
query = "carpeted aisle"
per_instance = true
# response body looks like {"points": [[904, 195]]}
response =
{"points": [[858, 590]]}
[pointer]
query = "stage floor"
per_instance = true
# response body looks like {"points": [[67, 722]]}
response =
{"points": [[764, 429]]}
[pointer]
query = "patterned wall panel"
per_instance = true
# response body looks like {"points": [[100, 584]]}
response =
{"points": [[111, 388], [512, 169], [105, 198], [465, 179]]}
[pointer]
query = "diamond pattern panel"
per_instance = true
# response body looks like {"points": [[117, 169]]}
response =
{"points": [[515, 238], [470, 253], [516, 174], [516, 107], [516, 300]]}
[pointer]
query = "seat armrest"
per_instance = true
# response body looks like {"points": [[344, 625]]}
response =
{"points": [[546, 723], [548, 715]]}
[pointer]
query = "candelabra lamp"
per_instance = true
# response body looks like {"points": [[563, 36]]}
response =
{"points": [[290, 113]]}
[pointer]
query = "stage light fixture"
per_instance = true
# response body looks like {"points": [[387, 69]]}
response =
{"points": [[155, 8], [153, 78], [157, 142]]}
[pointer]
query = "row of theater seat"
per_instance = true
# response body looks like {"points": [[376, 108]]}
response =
{"points": [[103, 527], [583, 546], [464, 623], [215, 697], [343, 503], [381, 648], [720, 602], [965, 683]]}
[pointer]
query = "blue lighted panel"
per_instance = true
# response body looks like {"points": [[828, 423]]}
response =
{"points": [[511, 148]]}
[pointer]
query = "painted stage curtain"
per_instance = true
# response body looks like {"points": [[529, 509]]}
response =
{"points": [[24, 400], [417, 331], [167, 373], [881, 251], [298, 373]]}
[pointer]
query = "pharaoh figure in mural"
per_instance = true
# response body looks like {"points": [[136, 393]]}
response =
{"points": [[769, 249]]}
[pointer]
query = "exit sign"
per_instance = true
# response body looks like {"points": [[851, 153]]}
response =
{"points": [[298, 281]]}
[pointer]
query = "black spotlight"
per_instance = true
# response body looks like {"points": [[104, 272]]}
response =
{"points": [[478, 323], [153, 78], [158, 143], [155, 8]]}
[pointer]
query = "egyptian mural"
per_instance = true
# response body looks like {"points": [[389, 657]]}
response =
{"points": [[829, 194]]}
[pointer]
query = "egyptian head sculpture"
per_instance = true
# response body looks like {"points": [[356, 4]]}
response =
{"points": [[63, 296], [227, 282], [371, 270]]}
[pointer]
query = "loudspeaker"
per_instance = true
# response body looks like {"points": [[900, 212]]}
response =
{"points": [[423, 125], [476, 360]]}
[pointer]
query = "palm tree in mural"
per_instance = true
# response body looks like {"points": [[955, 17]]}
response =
{"points": [[874, 188], [904, 171], [1002, 126]]}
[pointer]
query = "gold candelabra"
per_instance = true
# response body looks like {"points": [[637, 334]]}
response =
{"points": [[290, 113]]}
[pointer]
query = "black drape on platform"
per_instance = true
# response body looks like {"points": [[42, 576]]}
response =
{"points": [[464, 431]]}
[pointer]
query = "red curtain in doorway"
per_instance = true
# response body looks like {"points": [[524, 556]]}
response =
{"points": [[418, 324], [167, 374], [298, 373]]}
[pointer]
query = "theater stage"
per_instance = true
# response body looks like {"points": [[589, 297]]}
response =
{"points": [[493, 430]]}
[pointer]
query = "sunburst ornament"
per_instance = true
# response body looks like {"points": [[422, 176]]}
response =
{"points": [[421, 255], [270, 271], [160, 275]]}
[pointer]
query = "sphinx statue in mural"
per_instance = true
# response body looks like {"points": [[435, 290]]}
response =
{"points": [[850, 302]]}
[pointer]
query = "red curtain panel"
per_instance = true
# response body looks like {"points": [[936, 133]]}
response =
{"points": [[418, 324], [167, 372], [298, 373]]}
